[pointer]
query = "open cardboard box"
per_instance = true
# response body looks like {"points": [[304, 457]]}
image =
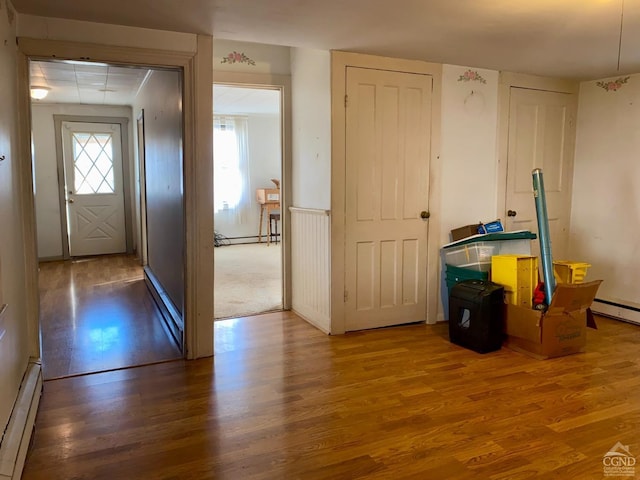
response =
{"points": [[561, 330]]}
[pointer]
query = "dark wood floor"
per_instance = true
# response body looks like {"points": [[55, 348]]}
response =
{"points": [[281, 400], [96, 314]]}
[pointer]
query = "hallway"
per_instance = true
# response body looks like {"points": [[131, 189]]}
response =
{"points": [[97, 315]]}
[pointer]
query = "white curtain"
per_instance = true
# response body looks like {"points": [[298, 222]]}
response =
{"points": [[231, 186]]}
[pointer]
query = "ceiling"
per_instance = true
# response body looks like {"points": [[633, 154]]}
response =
{"points": [[88, 83], [565, 38]]}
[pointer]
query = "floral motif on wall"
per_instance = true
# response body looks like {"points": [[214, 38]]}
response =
{"points": [[236, 57], [613, 85], [471, 76]]}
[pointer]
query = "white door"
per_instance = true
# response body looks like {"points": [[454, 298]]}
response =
{"points": [[388, 133], [94, 188], [541, 135]]}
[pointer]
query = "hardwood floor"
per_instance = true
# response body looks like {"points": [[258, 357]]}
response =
{"points": [[281, 400], [96, 314]]}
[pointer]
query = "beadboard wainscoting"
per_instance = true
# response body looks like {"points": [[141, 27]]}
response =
{"points": [[310, 252]]}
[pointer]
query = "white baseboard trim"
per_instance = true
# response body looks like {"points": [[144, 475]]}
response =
{"points": [[15, 443]]}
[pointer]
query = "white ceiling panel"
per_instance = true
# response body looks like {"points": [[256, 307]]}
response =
{"points": [[82, 82]]}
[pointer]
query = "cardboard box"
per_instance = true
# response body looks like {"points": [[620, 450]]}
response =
{"points": [[561, 330], [464, 232], [267, 195]]}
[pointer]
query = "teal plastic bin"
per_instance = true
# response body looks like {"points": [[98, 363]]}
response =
{"points": [[455, 274]]}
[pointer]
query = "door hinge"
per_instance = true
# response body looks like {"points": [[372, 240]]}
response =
{"points": [[346, 296], [346, 100]]}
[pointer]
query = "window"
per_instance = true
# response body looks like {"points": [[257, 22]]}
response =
{"points": [[93, 163], [231, 166]]}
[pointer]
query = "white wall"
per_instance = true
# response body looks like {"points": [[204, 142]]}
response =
{"points": [[469, 159], [311, 105], [14, 347], [260, 58], [265, 154], [46, 173], [468, 154], [605, 215], [311, 185], [106, 34]]}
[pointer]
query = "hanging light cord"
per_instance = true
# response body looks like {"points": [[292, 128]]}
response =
{"points": [[620, 39]]}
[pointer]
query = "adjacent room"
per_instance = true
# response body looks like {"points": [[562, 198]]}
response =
{"points": [[247, 148]]}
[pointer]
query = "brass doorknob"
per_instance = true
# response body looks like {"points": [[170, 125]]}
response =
{"points": [[424, 214], [70, 200], [511, 213]]}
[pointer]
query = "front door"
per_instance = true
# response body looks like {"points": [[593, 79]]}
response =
{"points": [[388, 134], [94, 188], [541, 135]]}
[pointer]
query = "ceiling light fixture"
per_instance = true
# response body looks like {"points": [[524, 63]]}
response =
{"points": [[85, 63], [38, 92]]}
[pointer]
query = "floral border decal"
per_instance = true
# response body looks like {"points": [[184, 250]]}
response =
{"points": [[236, 57], [471, 76], [613, 85]]}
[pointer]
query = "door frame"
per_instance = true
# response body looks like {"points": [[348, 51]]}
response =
{"points": [[339, 63], [142, 190], [197, 68], [507, 80], [283, 83], [123, 122]]}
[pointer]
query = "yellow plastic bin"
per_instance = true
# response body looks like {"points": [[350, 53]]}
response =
{"points": [[518, 274], [567, 271]]}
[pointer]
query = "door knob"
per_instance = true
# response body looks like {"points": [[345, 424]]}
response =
{"points": [[424, 214], [511, 213], [70, 200]]}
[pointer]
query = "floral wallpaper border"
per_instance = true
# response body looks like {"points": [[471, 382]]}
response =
{"points": [[613, 85], [471, 76], [237, 57]]}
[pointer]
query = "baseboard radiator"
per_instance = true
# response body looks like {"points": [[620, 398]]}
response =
{"points": [[170, 314], [16, 439], [621, 311], [310, 266]]}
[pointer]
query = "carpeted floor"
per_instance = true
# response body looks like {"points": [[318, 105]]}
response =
{"points": [[248, 280]]}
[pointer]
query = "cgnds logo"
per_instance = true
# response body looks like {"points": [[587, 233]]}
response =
{"points": [[618, 462]]}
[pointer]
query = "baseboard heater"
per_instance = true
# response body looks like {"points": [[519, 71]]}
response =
{"points": [[172, 317], [617, 310], [222, 240], [17, 437]]}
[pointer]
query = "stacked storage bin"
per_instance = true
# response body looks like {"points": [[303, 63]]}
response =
{"points": [[470, 258]]}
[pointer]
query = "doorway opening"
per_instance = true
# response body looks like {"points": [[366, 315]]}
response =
{"points": [[97, 309], [248, 168]]}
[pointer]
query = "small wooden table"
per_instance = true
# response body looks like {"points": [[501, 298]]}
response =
{"points": [[269, 200], [268, 207]]}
